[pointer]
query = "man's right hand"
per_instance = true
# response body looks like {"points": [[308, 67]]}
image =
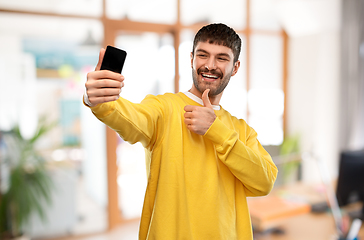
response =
{"points": [[103, 86]]}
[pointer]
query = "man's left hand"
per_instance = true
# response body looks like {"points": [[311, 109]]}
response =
{"points": [[199, 119]]}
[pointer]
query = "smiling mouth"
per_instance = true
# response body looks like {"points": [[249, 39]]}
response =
{"points": [[209, 77]]}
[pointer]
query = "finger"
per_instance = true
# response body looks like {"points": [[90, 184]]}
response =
{"points": [[105, 74], [104, 79], [191, 127], [188, 115], [101, 57], [189, 108], [189, 123], [96, 100], [106, 83], [205, 99], [104, 92], [98, 87]]}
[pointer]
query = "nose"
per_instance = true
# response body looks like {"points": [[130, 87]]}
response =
{"points": [[210, 64]]}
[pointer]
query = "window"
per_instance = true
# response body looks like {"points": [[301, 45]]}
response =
{"points": [[266, 96]]}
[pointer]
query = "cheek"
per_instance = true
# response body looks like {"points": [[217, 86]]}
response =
{"points": [[229, 70], [193, 65], [196, 64]]}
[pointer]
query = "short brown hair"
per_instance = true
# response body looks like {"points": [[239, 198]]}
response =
{"points": [[218, 33]]}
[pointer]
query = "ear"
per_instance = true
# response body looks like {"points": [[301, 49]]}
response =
{"points": [[191, 56], [236, 67]]}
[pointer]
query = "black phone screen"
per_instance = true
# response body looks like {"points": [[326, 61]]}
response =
{"points": [[114, 59]]}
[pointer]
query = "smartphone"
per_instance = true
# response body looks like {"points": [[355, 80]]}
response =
{"points": [[114, 59]]}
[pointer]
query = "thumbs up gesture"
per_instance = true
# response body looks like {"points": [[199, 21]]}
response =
{"points": [[199, 119]]}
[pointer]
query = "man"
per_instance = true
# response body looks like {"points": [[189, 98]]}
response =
{"points": [[202, 162]]}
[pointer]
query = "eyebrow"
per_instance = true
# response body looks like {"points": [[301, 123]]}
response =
{"points": [[219, 54]]}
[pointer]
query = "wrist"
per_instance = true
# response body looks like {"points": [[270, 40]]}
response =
{"points": [[86, 100]]}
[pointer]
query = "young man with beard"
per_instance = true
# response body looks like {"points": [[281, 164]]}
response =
{"points": [[202, 162]]}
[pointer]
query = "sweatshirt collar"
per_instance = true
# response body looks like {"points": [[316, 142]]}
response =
{"points": [[199, 100]]}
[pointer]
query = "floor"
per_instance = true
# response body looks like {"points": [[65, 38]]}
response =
{"points": [[93, 222], [91, 216], [126, 231], [298, 228]]}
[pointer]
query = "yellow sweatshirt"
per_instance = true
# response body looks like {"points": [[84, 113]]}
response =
{"points": [[197, 185]]}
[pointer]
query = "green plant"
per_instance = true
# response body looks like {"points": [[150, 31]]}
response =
{"points": [[290, 145], [28, 182]]}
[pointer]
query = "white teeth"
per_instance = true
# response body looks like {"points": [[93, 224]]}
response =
{"points": [[209, 76]]}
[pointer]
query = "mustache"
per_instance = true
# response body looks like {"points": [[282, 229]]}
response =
{"points": [[213, 72]]}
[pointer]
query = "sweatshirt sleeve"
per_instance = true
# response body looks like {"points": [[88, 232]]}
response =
{"points": [[134, 122], [248, 161]]}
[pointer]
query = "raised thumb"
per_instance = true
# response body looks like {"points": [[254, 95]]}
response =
{"points": [[101, 57], [205, 99]]}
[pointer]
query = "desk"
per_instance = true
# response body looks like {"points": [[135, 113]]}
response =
{"points": [[308, 226], [304, 226]]}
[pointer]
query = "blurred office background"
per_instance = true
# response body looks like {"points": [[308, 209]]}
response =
{"points": [[301, 79]]}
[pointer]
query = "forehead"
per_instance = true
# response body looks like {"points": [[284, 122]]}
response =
{"points": [[213, 48]]}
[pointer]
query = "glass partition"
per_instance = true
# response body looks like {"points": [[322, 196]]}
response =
{"points": [[266, 61], [156, 11], [266, 97], [149, 65]]}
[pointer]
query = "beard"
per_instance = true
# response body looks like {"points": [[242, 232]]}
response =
{"points": [[215, 87]]}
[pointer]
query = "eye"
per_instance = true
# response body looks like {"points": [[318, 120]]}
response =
{"points": [[201, 55], [223, 59]]}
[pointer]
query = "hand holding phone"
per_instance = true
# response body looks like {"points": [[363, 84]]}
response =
{"points": [[109, 89], [114, 59]]}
